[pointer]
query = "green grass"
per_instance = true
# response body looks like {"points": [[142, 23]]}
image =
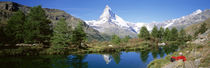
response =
{"points": [[158, 63], [205, 62]]}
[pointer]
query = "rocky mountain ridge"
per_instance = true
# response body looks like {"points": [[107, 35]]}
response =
{"points": [[8, 8], [110, 23]]}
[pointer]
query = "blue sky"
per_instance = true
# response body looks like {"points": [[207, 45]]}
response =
{"points": [[129, 10]]}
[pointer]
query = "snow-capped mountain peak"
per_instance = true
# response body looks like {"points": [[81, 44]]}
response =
{"points": [[107, 14], [185, 20], [196, 12], [110, 23], [108, 17]]}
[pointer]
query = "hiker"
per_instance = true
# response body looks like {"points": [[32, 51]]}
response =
{"points": [[178, 57]]}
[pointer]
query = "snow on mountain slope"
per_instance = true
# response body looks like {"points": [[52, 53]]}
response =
{"points": [[109, 17], [110, 23], [182, 22]]}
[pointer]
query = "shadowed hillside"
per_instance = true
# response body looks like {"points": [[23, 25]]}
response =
{"points": [[8, 8]]}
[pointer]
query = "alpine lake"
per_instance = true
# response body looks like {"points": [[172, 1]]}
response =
{"points": [[122, 59]]}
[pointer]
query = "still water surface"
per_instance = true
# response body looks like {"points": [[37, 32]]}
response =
{"points": [[110, 60]]}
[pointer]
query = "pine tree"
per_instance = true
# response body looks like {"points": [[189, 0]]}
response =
{"points": [[14, 28], [201, 30], [154, 32], [3, 37], [115, 39], [167, 34], [189, 38], [78, 35], [161, 33], [61, 35], [144, 33], [126, 38], [37, 26], [182, 36], [174, 34]]}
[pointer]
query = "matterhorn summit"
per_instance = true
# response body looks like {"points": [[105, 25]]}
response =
{"points": [[107, 14]]}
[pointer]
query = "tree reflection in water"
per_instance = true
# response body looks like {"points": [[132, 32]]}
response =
{"points": [[116, 57], [160, 51], [77, 61], [144, 55]]}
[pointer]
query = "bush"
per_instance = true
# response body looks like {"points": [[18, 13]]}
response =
{"points": [[52, 51], [115, 39], [126, 38]]}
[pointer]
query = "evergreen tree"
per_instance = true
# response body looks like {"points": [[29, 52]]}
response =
{"points": [[115, 39], [174, 34], [126, 38], [61, 35], [14, 28], [2, 35], [189, 38], [161, 33], [167, 34], [78, 35], [182, 36], [144, 33], [201, 30], [37, 26], [154, 32]]}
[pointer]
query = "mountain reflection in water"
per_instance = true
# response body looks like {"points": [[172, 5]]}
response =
{"points": [[134, 59], [107, 58]]}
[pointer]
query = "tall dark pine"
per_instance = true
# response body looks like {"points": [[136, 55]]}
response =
{"points": [[144, 33], [78, 35], [182, 36], [37, 26], [154, 32], [61, 35], [2, 35], [174, 34], [161, 33], [14, 29], [167, 34]]}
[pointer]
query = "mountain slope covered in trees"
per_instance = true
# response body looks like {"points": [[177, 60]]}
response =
{"points": [[9, 8]]}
